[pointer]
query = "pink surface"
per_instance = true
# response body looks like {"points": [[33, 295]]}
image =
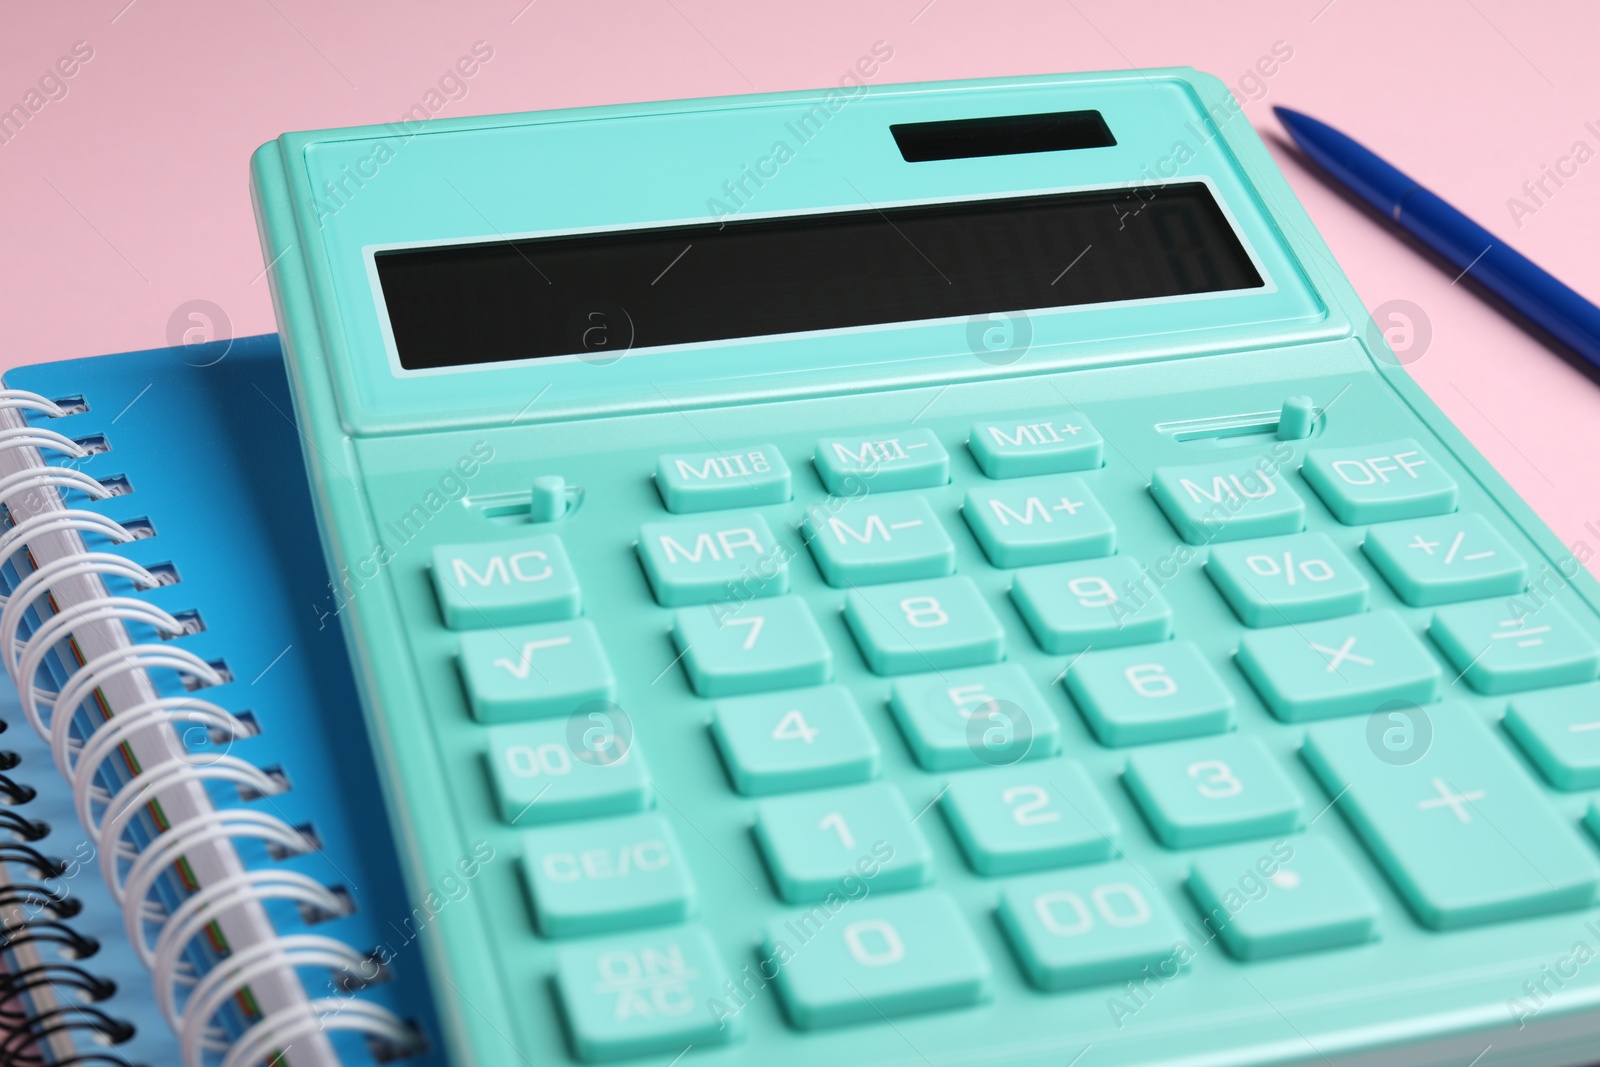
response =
{"points": [[125, 196]]}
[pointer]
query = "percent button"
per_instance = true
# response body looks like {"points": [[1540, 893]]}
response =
{"points": [[1281, 580]]}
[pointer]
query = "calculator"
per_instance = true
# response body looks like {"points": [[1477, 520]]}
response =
{"points": [[927, 575]]}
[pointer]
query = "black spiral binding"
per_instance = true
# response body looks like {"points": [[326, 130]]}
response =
{"points": [[32, 912]]}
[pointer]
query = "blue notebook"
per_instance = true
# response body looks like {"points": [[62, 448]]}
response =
{"points": [[219, 734]]}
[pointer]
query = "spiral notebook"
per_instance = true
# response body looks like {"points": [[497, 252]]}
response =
{"points": [[196, 865]]}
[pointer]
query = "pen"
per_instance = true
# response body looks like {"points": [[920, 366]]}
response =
{"points": [[1524, 285]]}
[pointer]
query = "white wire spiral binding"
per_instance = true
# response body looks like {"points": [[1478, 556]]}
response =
{"points": [[53, 715]]}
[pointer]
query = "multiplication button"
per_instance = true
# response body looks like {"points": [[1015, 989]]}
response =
{"points": [[1346, 666], [1042, 444]]}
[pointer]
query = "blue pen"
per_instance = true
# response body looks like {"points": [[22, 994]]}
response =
{"points": [[1495, 265]]}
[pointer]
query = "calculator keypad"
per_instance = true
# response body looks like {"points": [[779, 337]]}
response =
{"points": [[719, 479], [1149, 693], [894, 459], [1046, 443], [1103, 603], [1380, 483], [504, 583], [1091, 926], [900, 955], [804, 739], [1461, 830], [1299, 896], [932, 625], [1043, 520], [812, 841], [1043, 690], [773, 643], [611, 874], [698, 561], [1501, 649], [1282, 580], [893, 539], [981, 716]]}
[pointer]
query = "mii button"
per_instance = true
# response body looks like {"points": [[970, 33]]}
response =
{"points": [[1380, 483], [734, 478], [728, 556]]}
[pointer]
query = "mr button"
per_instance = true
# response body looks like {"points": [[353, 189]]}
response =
{"points": [[1380, 483], [704, 560]]}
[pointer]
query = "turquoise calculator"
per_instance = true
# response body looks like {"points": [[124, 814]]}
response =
{"points": [[928, 575]]}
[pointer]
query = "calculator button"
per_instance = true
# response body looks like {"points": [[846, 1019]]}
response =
{"points": [[896, 459], [931, 625], [731, 556], [503, 583], [1013, 820], [1380, 483], [876, 959], [1103, 603], [534, 672], [723, 478], [1461, 831], [772, 643], [1210, 792], [1281, 580], [1093, 926], [1559, 729], [1135, 696], [1043, 444], [1234, 500], [1445, 559], [644, 995], [805, 739], [979, 717], [1502, 650], [609, 874], [871, 541], [1046, 520], [1294, 896], [812, 841], [562, 769], [1345, 666]]}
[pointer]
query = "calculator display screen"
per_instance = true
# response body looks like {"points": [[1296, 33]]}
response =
{"points": [[596, 293]]}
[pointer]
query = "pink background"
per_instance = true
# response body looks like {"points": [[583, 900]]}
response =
{"points": [[126, 197]]}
